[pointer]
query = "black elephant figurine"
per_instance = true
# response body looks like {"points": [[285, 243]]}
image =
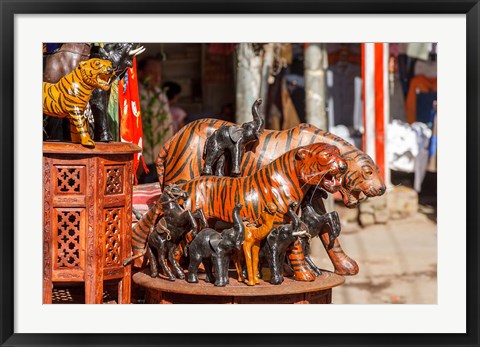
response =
{"points": [[318, 222], [231, 141], [121, 55], [210, 246], [275, 245], [167, 233]]}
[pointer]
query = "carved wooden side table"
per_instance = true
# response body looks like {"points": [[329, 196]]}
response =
{"points": [[87, 217]]}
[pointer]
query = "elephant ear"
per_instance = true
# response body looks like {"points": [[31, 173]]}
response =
{"points": [[235, 133], [272, 237], [214, 244]]}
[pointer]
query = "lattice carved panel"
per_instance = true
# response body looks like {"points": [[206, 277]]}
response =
{"points": [[113, 255], [69, 179], [68, 235], [114, 180]]}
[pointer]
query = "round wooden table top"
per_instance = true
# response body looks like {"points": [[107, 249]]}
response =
{"points": [[325, 281], [56, 147]]}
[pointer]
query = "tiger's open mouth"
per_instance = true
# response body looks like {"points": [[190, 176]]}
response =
{"points": [[331, 182], [104, 80], [353, 198]]}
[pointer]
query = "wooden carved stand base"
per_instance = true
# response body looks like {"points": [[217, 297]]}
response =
{"points": [[162, 291], [87, 214]]}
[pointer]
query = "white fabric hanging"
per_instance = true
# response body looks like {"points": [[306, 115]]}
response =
{"points": [[408, 149]]}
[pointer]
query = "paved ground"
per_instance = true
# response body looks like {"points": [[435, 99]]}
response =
{"points": [[398, 262]]}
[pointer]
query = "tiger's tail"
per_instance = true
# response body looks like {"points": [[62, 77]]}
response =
{"points": [[137, 213], [134, 257]]}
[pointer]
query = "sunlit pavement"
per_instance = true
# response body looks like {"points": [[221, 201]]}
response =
{"points": [[397, 260]]}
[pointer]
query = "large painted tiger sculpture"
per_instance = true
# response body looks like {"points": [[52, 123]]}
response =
{"points": [[181, 159], [69, 96], [284, 181]]}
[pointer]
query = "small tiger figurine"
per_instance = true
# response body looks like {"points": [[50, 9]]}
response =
{"points": [[69, 96]]}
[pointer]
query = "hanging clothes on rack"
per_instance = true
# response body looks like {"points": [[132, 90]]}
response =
{"points": [[418, 84], [409, 149], [341, 92]]}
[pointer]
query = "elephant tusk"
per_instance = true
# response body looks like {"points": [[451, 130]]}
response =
{"points": [[134, 51], [137, 51], [298, 233], [141, 51]]}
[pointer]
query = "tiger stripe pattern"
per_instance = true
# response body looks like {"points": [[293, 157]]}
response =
{"points": [[181, 159], [142, 229], [69, 96], [285, 180]]}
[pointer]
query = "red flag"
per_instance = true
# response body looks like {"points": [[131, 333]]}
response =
{"points": [[130, 116]]}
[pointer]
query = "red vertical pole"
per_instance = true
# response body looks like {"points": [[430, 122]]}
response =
{"points": [[379, 108]]}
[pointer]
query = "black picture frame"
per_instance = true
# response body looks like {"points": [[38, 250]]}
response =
{"points": [[9, 8]]}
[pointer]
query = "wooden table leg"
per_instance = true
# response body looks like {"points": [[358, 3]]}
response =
{"points": [[47, 291], [94, 292], [125, 286]]}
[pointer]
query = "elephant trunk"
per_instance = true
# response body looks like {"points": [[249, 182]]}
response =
{"points": [[295, 220], [238, 226], [257, 117]]}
